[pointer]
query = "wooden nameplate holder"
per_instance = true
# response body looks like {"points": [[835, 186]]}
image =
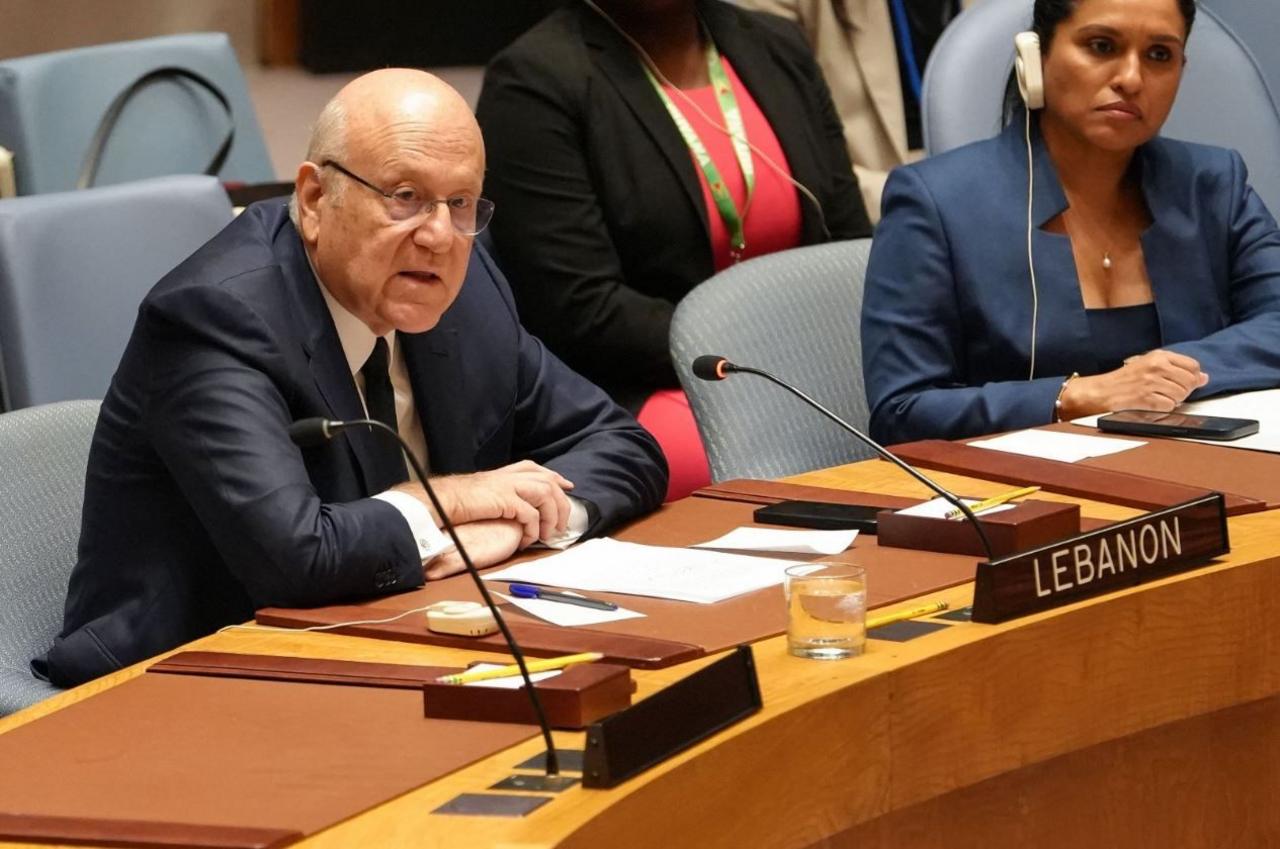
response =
{"points": [[1121, 555], [673, 719], [577, 697], [1027, 525]]}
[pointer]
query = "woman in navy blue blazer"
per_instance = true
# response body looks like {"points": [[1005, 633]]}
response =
{"points": [[1155, 272]]}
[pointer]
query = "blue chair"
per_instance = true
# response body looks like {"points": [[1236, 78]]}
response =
{"points": [[51, 105], [43, 451], [73, 268], [797, 314], [1224, 99]]}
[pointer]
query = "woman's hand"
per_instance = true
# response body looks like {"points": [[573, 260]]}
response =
{"points": [[1157, 380]]}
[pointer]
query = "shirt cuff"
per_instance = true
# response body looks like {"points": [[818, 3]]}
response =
{"points": [[574, 529], [431, 541]]}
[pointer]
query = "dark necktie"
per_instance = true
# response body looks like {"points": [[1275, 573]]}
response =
{"points": [[380, 399]]}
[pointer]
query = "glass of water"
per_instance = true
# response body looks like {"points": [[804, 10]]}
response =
{"points": [[826, 610]]}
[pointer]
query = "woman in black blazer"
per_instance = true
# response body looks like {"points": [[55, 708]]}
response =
{"points": [[602, 224]]}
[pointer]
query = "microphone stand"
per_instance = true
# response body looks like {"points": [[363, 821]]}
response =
{"points": [[709, 367], [316, 430]]}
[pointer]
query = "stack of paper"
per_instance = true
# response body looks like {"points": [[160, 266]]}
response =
{"points": [[1053, 445], [683, 574], [940, 508], [775, 541], [569, 615]]}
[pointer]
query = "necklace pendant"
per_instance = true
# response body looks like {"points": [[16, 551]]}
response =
{"points": [[1106, 260]]}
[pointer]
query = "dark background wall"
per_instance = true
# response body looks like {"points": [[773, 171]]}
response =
{"points": [[340, 35]]}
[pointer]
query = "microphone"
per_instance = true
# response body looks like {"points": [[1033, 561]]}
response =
{"points": [[310, 432], [713, 367]]}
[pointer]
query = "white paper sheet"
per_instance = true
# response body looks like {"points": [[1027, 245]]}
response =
{"points": [[683, 574], [1052, 445], [1263, 405], [569, 615], [938, 508], [787, 542], [508, 682]]}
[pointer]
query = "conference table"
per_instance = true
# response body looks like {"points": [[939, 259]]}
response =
{"points": [[1150, 716]]}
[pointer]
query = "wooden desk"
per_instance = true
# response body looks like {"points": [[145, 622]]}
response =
{"points": [[1148, 717]]}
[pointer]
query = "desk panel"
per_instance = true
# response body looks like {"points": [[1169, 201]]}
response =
{"points": [[989, 735], [671, 631]]}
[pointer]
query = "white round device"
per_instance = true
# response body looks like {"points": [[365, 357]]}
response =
{"points": [[464, 618]]}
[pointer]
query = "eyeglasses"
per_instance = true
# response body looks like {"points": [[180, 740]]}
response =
{"points": [[469, 215]]}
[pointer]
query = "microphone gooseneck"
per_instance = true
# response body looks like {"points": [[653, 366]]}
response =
{"points": [[316, 431], [713, 367]]}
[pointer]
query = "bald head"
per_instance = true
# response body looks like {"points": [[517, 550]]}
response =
{"points": [[394, 169], [395, 101], [386, 103]]}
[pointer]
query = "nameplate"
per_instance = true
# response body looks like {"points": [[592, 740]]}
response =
{"points": [[671, 720], [1110, 558]]}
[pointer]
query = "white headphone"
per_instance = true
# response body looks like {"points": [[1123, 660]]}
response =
{"points": [[1029, 69], [1030, 73]]}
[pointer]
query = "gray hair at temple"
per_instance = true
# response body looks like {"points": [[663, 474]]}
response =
{"points": [[328, 141]]}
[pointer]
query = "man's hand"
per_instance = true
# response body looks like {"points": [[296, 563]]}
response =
{"points": [[524, 492], [488, 541], [1157, 380]]}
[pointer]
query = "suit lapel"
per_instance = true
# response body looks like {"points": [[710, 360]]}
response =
{"points": [[324, 352], [620, 64], [875, 53], [1065, 342]]}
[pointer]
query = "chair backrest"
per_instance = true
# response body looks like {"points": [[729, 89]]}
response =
{"points": [[51, 104], [797, 314], [43, 452], [73, 268], [1257, 22], [1224, 99]]}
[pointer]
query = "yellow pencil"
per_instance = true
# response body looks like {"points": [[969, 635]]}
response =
{"points": [[994, 501], [507, 671], [910, 613]]}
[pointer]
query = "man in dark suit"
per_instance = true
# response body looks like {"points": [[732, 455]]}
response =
{"points": [[366, 295]]}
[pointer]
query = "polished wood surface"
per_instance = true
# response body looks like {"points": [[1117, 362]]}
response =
{"points": [[1148, 715]]}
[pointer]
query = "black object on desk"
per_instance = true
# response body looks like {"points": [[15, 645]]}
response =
{"points": [[823, 515], [671, 720], [1187, 425]]}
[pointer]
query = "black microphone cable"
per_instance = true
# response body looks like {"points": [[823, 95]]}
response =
{"points": [[316, 431], [713, 367]]}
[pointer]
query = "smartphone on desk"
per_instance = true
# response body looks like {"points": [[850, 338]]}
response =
{"points": [[822, 515], [1189, 425]]}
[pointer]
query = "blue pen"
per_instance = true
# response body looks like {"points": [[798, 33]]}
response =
{"points": [[530, 591]]}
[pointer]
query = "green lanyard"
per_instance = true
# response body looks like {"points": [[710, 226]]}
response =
{"points": [[741, 150]]}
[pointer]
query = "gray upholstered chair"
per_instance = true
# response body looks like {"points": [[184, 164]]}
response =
{"points": [[73, 268], [1224, 99], [1257, 22], [43, 451], [797, 314], [51, 105]]}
